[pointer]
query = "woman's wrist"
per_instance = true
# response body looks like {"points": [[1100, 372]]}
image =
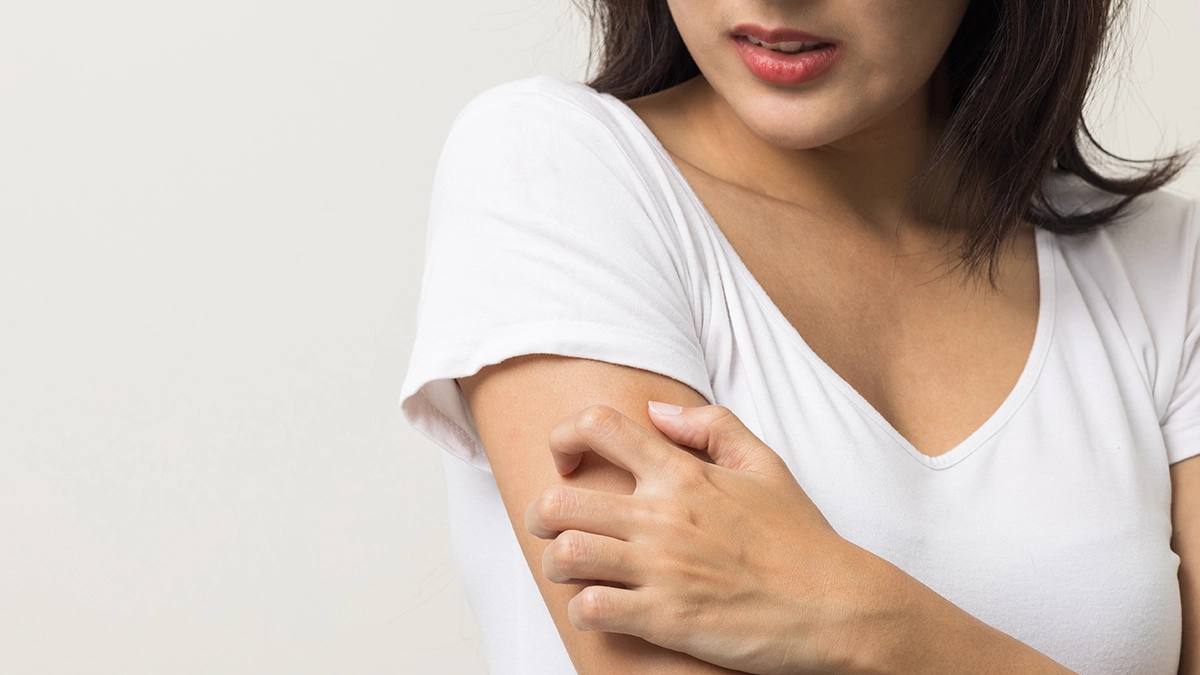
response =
{"points": [[882, 608]]}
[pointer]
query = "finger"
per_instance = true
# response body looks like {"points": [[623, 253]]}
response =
{"points": [[613, 610], [560, 507], [575, 556], [613, 436], [718, 431]]}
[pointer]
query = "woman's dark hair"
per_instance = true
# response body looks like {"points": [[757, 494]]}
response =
{"points": [[1019, 72]]}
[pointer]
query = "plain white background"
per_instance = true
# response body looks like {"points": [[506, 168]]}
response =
{"points": [[212, 220]]}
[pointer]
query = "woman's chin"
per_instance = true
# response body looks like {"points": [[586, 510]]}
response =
{"points": [[794, 131]]}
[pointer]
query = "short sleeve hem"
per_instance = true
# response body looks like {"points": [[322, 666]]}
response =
{"points": [[1186, 451], [433, 403], [1181, 426], [1183, 442]]}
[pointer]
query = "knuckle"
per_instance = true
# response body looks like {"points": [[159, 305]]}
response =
{"points": [[564, 556], [671, 521], [726, 428], [560, 433], [643, 512], [555, 505], [598, 421], [724, 421], [550, 566], [558, 561], [592, 607], [570, 551], [721, 412]]}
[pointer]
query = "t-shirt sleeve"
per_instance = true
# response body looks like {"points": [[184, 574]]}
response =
{"points": [[543, 238], [1181, 423]]}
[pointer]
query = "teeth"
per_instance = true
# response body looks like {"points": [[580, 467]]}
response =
{"points": [[785, 47]]}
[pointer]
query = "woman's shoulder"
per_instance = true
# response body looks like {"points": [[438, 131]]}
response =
{"points": [[551, 151], [537, 95], [541, 111], [546, 131], [1144, 266], [1159, 232]]}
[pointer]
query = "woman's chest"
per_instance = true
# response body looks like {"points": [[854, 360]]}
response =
{"points": [[935, 355]]}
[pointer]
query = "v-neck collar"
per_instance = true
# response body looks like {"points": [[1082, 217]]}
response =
{"points": [[1046, 247]]}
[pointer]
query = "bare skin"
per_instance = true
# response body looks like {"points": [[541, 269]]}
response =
{"points": [[1185, 518]]}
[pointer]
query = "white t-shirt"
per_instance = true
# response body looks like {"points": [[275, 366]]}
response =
{"points": [[560, 225]]}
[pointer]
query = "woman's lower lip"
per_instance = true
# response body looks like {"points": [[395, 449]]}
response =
{"points": [[780, 68]]}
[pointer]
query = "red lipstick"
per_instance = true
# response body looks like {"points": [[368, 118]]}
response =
{"points": [[783, 64]]}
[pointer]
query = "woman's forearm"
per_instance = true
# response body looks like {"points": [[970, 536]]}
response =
{"points": [[933, 636]]}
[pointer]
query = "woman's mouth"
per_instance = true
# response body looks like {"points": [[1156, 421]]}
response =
{"points": [[784, 56]]}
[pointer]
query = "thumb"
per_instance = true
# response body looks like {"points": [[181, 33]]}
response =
{"points": [[716, 430]]}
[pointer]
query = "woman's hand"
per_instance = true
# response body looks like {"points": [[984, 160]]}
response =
{"points": [[730, 561]]}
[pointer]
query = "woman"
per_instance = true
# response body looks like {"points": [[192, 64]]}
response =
{"points": [[936, 375]]}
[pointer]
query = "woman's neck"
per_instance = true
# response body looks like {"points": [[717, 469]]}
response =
{"points": [[862, 178]]}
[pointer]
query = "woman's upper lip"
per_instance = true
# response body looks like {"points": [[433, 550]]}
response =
{"points": [[776, 35]]}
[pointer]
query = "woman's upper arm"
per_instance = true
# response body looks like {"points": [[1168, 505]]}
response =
{"points": [[515, 404], [1185, 541]]}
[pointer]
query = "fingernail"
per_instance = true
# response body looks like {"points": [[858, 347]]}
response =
{"points": [[665, 408]]}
